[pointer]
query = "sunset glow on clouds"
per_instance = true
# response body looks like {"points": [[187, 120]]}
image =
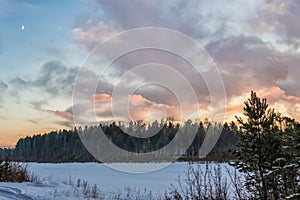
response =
{"points": [[100, 98], [255, 45]]}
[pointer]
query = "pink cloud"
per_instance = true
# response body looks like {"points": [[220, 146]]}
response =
{"points": [[143, 108], [94, 33], [63, 114], [101, 98], [275, 94], [139, 99]]}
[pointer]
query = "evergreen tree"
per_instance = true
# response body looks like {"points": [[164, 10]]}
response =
{"points": [[290, 162], [258, 148]]}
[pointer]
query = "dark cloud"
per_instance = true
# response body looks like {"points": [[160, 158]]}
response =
{"points": [[69, 110], [38, 105], [158, 94], [67, 124], [18, 85], [247, 63], [88, 83], [133, 14], [291, 85], [125, 67], [1, 46], [32, 121], [281, 17], [291, 88], [290, 19], [197, 19], [234, 49], [3, 88], [105, 114], [18, 81], [54, 79]]}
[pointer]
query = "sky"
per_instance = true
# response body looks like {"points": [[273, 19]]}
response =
{"points": [[254, 44]]}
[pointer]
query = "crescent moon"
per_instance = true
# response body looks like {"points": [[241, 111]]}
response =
{"points": [[22, 27]]}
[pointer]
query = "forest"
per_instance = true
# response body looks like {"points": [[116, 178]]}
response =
{"points": [[66, 145]]}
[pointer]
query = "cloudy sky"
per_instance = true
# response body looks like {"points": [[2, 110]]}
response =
{"points": [[254, 44]]}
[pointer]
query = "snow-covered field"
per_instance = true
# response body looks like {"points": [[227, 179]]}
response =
{"points": [[59, 181]]}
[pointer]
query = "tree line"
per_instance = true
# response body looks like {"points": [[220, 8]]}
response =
{"points": [[67, 146]]}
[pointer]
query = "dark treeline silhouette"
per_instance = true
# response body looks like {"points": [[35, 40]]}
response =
{"points": [[66, 145]]}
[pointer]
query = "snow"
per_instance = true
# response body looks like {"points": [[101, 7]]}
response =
{"points": [[59, 180], [280, 159], [293, 196], [291, 165], [30, 191]]}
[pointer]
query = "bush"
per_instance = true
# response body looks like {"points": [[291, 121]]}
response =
{"points": [[208, 183], [13, 172]]}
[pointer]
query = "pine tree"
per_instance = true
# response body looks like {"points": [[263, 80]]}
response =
{"points": [[258, 148]]}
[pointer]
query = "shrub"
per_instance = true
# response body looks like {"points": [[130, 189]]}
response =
{"points": [[13, 172], [208, 183]]}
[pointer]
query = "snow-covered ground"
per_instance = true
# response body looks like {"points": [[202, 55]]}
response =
{"points": [[59, 181], [39, 191]]}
